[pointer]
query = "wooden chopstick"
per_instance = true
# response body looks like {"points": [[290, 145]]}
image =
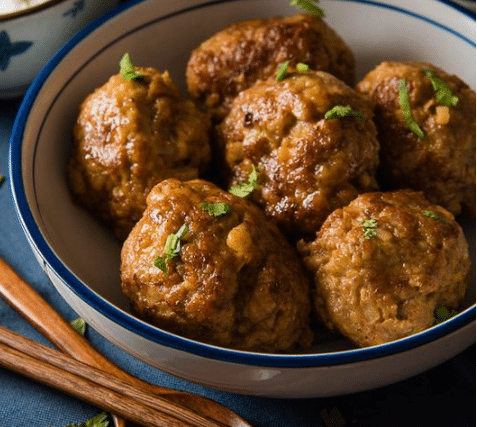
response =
{"points": [[92, 385], [36, 310]]}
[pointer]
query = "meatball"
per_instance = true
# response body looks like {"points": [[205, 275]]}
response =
{"points": [[130, 135], [384, 263], [307, 165], [235, 281], [242, 53], [442, 164]]}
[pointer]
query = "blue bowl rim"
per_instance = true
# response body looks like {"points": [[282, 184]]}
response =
{"points": [[150, 332]]}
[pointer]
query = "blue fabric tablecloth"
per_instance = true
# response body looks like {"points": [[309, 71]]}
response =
{"points": [[442, 396]]}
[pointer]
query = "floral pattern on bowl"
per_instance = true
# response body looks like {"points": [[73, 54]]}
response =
{"points": [[24, 52]]}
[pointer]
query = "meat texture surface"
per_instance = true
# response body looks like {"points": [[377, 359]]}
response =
{"points": [[130, 135], [235, 282], [383, 264]]}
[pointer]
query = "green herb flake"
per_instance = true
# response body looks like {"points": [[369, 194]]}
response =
{"points": [[161, 263], [172, 248], [245, 188], [282, 71], [2, 179], [126, 69], [433, 215], [99, 420], [79, 325], [340, 111], [441, 314], [406, 109], [310, 6], [369, 228], [443, 92], [216, 209], [302, 68]]}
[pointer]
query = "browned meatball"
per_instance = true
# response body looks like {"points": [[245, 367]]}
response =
{"points": [[384, 263], [129, 135], [235, 282], [442, 164], [308, 166], [234, 58]]}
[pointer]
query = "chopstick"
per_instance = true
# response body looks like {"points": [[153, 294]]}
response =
{"points": [[92, 385], [36, 310]]}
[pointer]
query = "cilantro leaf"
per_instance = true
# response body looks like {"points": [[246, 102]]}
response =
{"points": [[216, 209], [443, 92], [79, 325], [99, 420], [161, 263], [245, 188], [310, 6], [434, 215], [126, 68], [406, 109], [302, 68], [441, 314], [172, 248], [282, 71], [369, 228], [340, 111]]}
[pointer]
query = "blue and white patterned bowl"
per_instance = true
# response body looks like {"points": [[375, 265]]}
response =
{"points": [[30, 36], [82, 258]]}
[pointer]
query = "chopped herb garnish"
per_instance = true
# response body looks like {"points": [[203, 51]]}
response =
{"points": [[441, 314], [369, 228], [310, 6], [340, 111], [161, 263], [79, 325], [282, 71], [2, 179], [216, 209], [99, 420], [443, 92], [243, 189], [126, 68], [171, 248], [434, 215], [302, 68], [406, 109]]}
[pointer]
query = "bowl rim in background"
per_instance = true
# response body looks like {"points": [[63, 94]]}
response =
{"points": [[150, 332]]}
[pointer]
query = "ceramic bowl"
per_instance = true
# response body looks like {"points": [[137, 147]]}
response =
{"points": [[31, 35], [82, 258]]}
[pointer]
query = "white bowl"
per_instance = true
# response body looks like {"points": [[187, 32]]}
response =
{"points": [[31, 35], [82, 258]]}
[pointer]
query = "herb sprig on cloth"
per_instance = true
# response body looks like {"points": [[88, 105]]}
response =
{"points": [[99, 420]]}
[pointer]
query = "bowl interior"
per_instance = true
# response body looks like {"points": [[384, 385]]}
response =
{"points": [[400, 31]]}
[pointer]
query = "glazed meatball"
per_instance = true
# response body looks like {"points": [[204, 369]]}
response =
{"points": [[384, 263], [130, 135], [442, 164], [307, 165], [234, 58], [235, 282]]}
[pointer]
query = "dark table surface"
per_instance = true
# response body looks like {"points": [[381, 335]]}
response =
{"points": [[442, 396]]}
